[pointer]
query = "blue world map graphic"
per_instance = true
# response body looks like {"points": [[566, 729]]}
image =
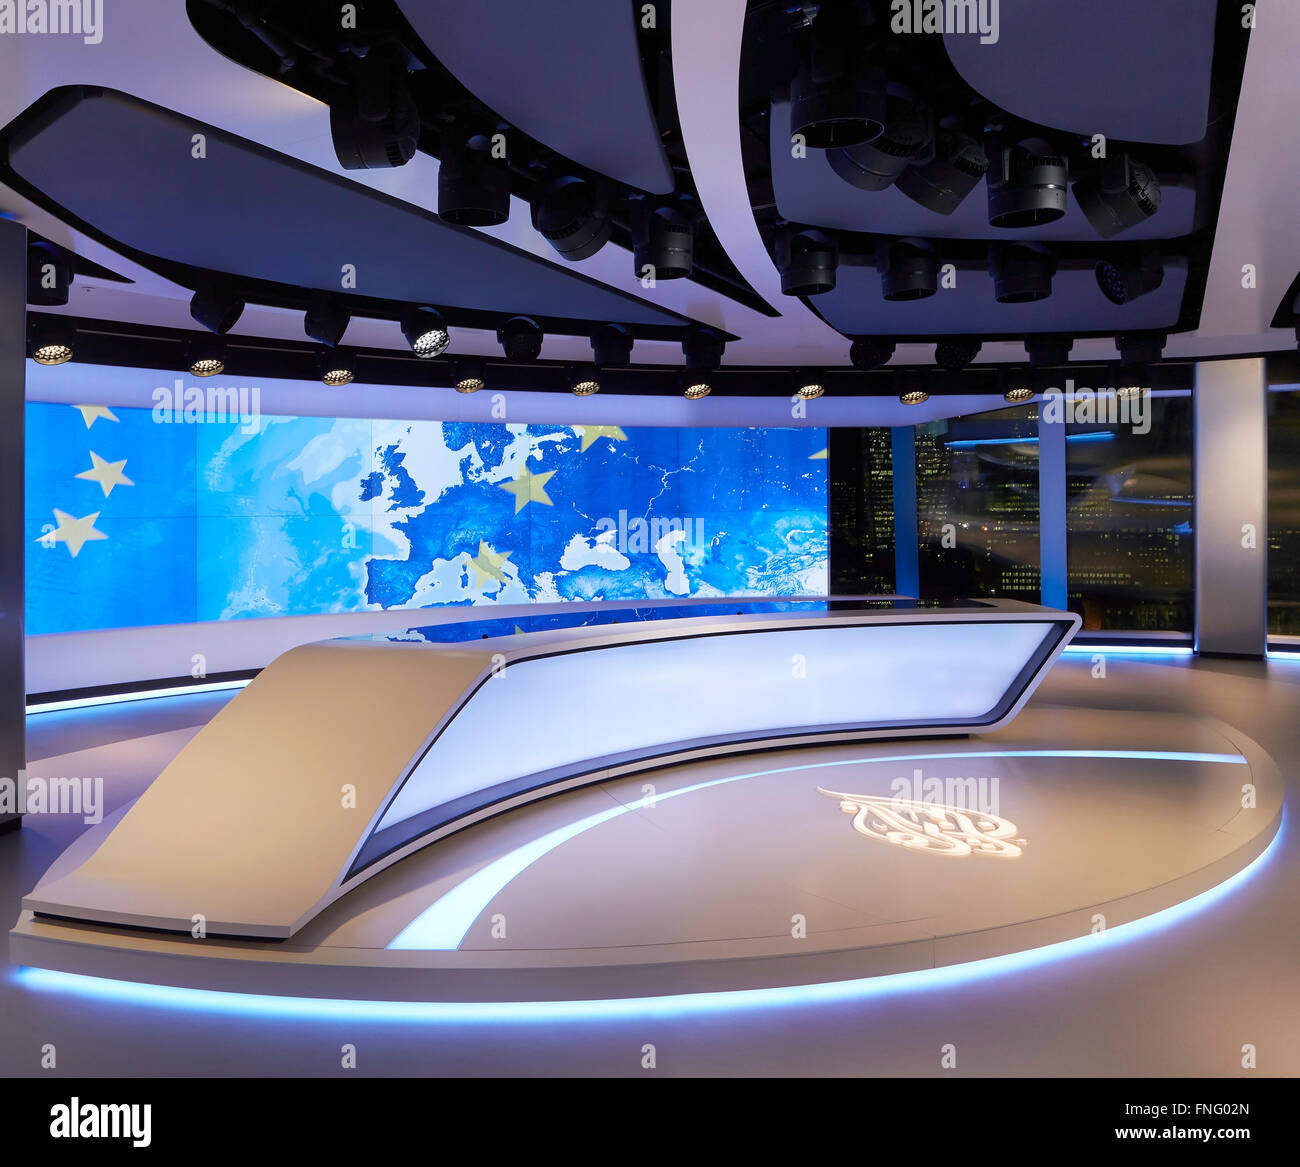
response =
{"points": [[133, 522]]}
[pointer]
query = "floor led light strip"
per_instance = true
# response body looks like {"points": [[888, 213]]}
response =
{"points": [[442, 926], [140, 695], [137, 995]]}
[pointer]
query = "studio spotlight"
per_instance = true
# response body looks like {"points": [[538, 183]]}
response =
{"points": [[425, 331], [1140, 348], [468, 375], [956, 353], [702, 347], [1017, 386], [326, 320], [473, 186], [521, 339], [835, 98], [572, 214], [205, 356], [1022, 272], [49, 275], [582, 382], [1048, 348], [695, 383], [1134, 273], [1026, 184], [807, 260], [336, 368], [52, 342], [871, 352], [876, 165], [909, 269], [914, 397], [808, 387], [217, 308], [611, 345], [1118, 194], [663, 240], [378, 125], [942, 177]]}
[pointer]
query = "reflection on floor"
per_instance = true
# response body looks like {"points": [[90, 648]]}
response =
{"points": [[771, 848]]}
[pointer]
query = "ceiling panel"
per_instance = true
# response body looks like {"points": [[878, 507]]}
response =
{"points": [[1135, 71], [1075, 306], [124, 167], [808, 191], [566, 72]]}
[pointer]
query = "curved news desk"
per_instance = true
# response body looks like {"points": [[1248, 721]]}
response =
{"points": [[341, 758]]}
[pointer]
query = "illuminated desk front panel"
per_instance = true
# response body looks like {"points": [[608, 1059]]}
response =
{"points": [[341, 758]]}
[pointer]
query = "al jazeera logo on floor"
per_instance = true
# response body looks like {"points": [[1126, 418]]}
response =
{"points": [[954, 817]]}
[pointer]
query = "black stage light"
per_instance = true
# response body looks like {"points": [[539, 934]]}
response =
{"points": [[425, 331], [205, 356], [1118, 194], [52, 342], [336, 367], [1018, 394], [216, 307], [1027, 186], [871, 352], [572, 214], [695, 383], [1022, 272], [468, 375], [806, 259], [949, 170], [955, 353], [378, 125], [909, 269], [1048, 348], [1140, 348], [836, 98], [473, 186], [663, 240], [582, 382], [326, 320], [916, 396], [1133, 273], [702, 347], [875, 165], [49, 275], [611, 344], [520, 338]]}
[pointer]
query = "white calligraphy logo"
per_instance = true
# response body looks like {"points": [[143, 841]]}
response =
{"points": [[930, 826]]}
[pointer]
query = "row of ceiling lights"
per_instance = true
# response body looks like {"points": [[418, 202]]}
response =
{"points": [[53, 342], [378, 125], [878, 134], [808, 258]]}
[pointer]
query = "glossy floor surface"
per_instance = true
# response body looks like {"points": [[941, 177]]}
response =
{"points": [[1181, 1000]]}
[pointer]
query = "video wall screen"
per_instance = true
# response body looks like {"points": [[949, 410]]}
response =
{"points": [[139, 516]]}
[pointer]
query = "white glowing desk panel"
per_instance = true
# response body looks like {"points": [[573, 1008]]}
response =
{"points": [[340, 758]]}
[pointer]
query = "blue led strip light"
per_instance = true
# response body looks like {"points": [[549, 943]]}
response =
{"points": [[443, 925], [136, 995]]}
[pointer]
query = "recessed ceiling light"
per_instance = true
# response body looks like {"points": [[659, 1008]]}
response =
{"points": [[205, 356], [52, 343], [810, 390], [1018, 394], [337, 368], [914, 397]]}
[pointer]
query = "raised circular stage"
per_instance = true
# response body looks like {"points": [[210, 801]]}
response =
{"points": [[765, 870]]}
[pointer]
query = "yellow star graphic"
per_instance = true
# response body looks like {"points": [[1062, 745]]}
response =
{"points": [[91, 413], [820, 454], [528, 488], [74, 532], [107, 474], [589, 433], [488, 564]]}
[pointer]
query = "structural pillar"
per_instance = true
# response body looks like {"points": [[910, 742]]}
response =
{"points": [[13, 371], [1230, 468]]}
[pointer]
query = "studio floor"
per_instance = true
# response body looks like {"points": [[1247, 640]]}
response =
{"points": [[761, 841]]}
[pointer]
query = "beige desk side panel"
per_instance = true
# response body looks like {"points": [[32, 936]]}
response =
{"points": [[260, 790]]}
